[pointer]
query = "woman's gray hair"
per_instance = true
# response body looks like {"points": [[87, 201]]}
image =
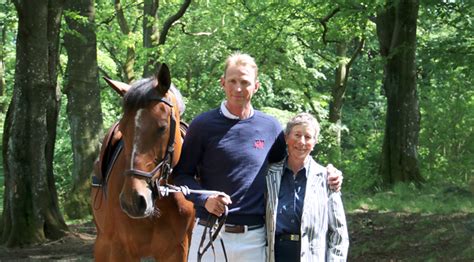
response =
{"points": [[303, 119]]}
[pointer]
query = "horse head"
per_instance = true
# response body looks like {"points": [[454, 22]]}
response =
{"points": [[151, 137]]}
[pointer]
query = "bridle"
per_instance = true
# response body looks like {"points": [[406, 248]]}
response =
{"points": [[166, 164]]}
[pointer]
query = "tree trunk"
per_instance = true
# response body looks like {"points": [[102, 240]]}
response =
{"points": [[335, 105], [396, 30], [128, 70], [150, 35], [83, 107], [337, 95], [31, 211]]}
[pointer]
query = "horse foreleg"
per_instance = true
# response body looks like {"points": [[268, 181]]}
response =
{"points": [[101, 250], [179, 255], [108, 250], [119, 252]]}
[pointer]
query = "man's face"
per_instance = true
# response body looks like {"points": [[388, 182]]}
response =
{"points": [[239, 85]]}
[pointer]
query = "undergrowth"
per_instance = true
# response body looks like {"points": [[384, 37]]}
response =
{"points": [[431, 198]]}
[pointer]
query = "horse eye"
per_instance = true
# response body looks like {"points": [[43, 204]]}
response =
{"points": [[161, 130]]}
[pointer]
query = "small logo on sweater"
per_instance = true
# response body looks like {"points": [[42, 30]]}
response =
{"points": [[259, 143]]}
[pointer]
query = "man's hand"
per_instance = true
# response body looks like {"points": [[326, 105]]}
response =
{"points": [[334, 178], [215, 204]]}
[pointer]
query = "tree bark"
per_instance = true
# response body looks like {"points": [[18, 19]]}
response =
{"points": [[83, 107], [396, 30], [335, 105], [337, 95], [128, 70], [31, 213], [150, 34]]}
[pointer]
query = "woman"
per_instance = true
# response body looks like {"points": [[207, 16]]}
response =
{"points": [[305, 219]]}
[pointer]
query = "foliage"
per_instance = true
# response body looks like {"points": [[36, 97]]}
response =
{"points": [[63, 153], [446, 96], [296, 70]]}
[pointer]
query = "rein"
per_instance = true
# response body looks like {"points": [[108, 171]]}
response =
{"points": [[214, 231]]}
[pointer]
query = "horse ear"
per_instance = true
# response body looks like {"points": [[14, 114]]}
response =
{"points": [[164, 78], [119, 87]]}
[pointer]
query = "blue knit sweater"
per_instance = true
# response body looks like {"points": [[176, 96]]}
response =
{"points": [[230, 156]]}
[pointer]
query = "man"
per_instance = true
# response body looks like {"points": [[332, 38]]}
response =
{"points": [[227, 149]]}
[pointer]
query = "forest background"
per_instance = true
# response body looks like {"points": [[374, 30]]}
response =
{"points": [[389, 80]]}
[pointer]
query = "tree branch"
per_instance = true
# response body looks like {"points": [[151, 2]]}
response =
{"points": [[169, 22], [116, 60], [356, 52], [313, 50], [124, 28], [323, 21], [183, 29]]}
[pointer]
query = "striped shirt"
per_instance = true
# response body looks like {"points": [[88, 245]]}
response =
{"points": [[324, 235]]}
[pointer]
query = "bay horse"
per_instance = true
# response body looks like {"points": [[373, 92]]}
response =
{"points": [[133, 221]]}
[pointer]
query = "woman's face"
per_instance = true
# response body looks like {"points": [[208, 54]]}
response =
{"points": [[300, 141]]}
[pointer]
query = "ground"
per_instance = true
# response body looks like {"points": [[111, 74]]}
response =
{"points": [[374, 236]]}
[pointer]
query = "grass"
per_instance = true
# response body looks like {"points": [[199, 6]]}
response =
{"points": [[430, 199]]}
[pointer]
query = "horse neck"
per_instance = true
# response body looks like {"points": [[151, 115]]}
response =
{"points": [[178, 139]]}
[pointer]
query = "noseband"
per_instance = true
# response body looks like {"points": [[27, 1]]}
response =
{"points": [[165, 165]]}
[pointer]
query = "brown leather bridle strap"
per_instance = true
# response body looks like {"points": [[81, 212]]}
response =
{"points": [[166, 164], [213, 230]]}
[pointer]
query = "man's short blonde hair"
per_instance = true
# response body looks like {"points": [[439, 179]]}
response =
{"points": [[240, 59]]}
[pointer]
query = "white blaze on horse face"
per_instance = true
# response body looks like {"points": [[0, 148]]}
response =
{"points": [[136, 134]]}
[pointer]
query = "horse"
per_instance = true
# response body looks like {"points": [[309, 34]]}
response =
{"points": [[132, 218]]}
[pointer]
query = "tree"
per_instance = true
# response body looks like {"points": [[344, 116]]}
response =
{"points": [[127, 66], [445, 77], [128, 15], [83, 107], [31, 213], [149, 32], [150, 37], [396, 30]]}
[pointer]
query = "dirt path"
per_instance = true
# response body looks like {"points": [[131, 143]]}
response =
{"points": [[77, 246], [374, 237]]}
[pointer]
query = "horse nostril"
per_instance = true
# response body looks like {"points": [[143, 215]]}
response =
{"points": [[135, 207], [141, 204]]}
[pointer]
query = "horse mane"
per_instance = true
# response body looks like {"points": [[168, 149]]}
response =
{"points": [[143, 92], [179, 98]]}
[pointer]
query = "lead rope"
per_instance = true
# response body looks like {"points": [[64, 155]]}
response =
{"points": [[167, 189], [213, 233]]}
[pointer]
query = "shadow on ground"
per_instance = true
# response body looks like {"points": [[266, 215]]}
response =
{"points": [[374, 237]]}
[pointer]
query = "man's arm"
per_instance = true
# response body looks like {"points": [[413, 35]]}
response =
{"points": [[278, 150], [184, 173]]}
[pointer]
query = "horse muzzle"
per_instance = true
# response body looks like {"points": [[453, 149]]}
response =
{"points": [[137, 204]]}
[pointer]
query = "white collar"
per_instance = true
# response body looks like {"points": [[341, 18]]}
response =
{"points": [[229, 115]]}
